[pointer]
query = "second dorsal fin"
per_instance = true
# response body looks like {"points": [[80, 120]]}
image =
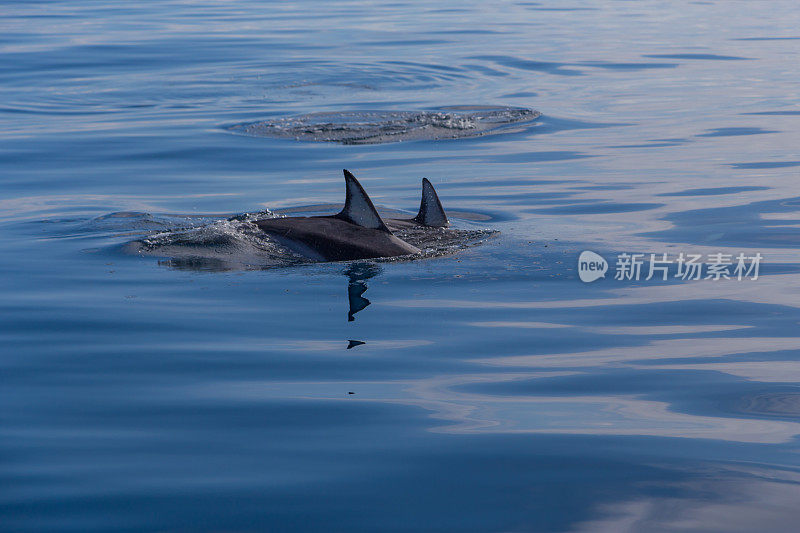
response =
{"points": [[358, 208], [431, 213]]}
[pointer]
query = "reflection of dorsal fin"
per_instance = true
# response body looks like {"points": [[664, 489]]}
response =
{"points": [[358, 208], [431, 212]]}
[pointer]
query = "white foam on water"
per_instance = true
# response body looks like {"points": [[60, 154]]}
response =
{"points": [[374, 127]]}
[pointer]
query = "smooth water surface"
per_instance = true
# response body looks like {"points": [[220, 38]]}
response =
{"points": [[486, 390]]}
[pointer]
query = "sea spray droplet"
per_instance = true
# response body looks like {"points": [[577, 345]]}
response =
{"points": [[372, 127]]}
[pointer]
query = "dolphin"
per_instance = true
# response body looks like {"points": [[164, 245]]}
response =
{"points": [[357, 231], [431, 213]]}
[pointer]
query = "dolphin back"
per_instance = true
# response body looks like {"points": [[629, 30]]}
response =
{"points": [[431, 213], [358, 208]]}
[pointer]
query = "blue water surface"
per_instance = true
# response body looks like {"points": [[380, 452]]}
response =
{"points": [[492, 391]]}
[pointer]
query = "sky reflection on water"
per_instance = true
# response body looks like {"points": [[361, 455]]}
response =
{"points": [[487, 390]]}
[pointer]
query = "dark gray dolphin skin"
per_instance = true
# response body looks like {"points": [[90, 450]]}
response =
{"points": [[357, 232]]}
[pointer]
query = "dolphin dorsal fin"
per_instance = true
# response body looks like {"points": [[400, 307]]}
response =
{"points": [[358, 208], [431, 213]]}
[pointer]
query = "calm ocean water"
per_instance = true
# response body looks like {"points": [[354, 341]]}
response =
{"points": [[493, 390]]}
